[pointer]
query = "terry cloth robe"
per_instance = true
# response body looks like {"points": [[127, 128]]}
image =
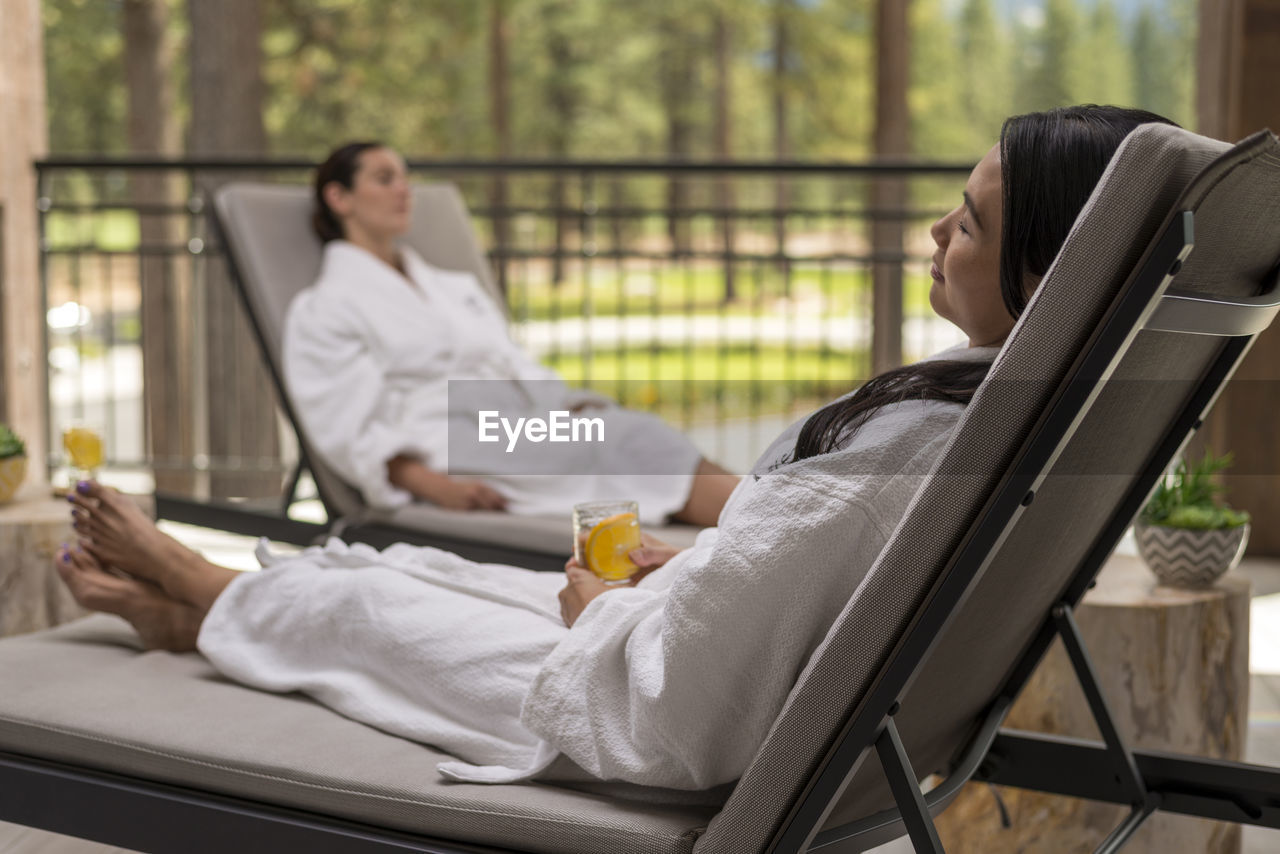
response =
{"points": [[474, 658], [369, 357]]}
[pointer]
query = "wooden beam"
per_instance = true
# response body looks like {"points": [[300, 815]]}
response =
{"points": [[1239, 58], [22, 115]]}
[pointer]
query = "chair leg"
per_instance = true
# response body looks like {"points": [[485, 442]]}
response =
{"points": [[1144, 802], [906, 791], [1126, 829], [1126, 768]]}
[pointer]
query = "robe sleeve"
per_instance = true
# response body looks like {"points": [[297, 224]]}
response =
{"points": [[340, 392]]}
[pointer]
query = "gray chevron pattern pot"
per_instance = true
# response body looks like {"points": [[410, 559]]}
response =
{"points": [[1181, 557]]}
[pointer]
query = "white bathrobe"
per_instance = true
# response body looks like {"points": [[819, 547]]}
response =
{"points": [[368, 361], [474, 658]]}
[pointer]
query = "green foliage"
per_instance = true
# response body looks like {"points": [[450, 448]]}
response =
{"points": [[609, 78], [84, 76], [1106, 77], [1163, 62], [10, 444], [1188, 498]]}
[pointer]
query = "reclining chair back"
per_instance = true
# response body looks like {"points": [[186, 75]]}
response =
{"points": [[274, 255], [1082, 411]]}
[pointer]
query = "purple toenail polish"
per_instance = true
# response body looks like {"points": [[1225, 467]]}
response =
{"points": [[71, 498], [83, 487]]}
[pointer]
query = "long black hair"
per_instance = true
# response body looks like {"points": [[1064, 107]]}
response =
{"points": [[341, 165], [1049, 165]]}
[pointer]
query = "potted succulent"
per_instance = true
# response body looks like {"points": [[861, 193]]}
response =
{"points": [[1185, 534], [13, 463]]}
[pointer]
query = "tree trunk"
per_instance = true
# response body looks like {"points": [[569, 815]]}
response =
{"points": [[499, 116], [562, 98], [1239, 59], [889, 195], [166, 300], [781, 136], [723, 135], [226, 119], [677, 84], [23, 386]]}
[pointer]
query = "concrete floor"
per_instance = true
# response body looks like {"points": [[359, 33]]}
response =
{"points": [[1263, 745]]}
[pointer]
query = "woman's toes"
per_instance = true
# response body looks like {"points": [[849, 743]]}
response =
{"points": [[66, 570], [92, 489], [91, 585]]}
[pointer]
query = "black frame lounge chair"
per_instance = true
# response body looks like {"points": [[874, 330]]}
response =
{"points": [[1169, 273], [273, 255]]}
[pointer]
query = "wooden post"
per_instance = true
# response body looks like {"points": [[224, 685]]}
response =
{"points": [[889, 194], [22, 115], [1239, 59]]}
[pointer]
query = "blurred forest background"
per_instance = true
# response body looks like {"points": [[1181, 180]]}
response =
{"points": [[684, 79], [773, 288]]}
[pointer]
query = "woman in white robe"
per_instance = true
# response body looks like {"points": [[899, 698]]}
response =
{"points": [[389, 361], [524, 675]]}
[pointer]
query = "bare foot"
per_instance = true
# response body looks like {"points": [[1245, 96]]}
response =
{"points": [[112, 528], [162, 622]]}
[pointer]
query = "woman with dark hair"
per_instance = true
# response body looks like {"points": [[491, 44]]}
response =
{"points": [[390, 362], [522, 676]]}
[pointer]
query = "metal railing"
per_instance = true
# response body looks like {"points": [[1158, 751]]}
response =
{"points": [[728, 297]]}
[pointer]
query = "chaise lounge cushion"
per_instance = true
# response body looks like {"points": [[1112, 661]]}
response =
{"points": [[87, 694]]}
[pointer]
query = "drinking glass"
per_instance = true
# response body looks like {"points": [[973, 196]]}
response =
{"points": [[84, 451], [603, 533]]}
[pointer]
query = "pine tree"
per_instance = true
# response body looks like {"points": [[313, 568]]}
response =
{"points": [[1051, 60], [1108, 74], [985, 77], [1155, 65]]}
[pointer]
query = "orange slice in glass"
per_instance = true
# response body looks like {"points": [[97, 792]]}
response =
{"points": [[607, 546]]}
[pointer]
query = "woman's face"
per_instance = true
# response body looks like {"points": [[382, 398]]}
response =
{"points": [[966, 266], [377, 206]]}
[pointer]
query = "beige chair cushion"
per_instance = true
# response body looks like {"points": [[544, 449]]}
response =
{"points": [[87, 694]]}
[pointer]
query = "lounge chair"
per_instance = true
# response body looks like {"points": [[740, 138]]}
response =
{"points": [[273, 255], [1145, 313]]}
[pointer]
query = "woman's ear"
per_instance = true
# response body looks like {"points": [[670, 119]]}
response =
{"points": [[336, 197]]}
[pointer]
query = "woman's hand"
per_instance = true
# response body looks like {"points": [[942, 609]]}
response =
{"points": [[651, 554], [411, 475], [467, 495], [583, 586]]}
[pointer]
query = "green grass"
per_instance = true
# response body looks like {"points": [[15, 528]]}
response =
{"points": [[111, 231], [708, 382], [674, 289]]}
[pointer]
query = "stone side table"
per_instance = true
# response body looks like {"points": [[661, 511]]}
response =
{"points": [[1174, 667], [32, 528]]}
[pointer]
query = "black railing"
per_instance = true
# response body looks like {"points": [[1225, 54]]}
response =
{"points": [[729, 297]]}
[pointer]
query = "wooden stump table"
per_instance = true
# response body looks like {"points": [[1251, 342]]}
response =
{"points": [[32, 528], [1174, 667]]}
